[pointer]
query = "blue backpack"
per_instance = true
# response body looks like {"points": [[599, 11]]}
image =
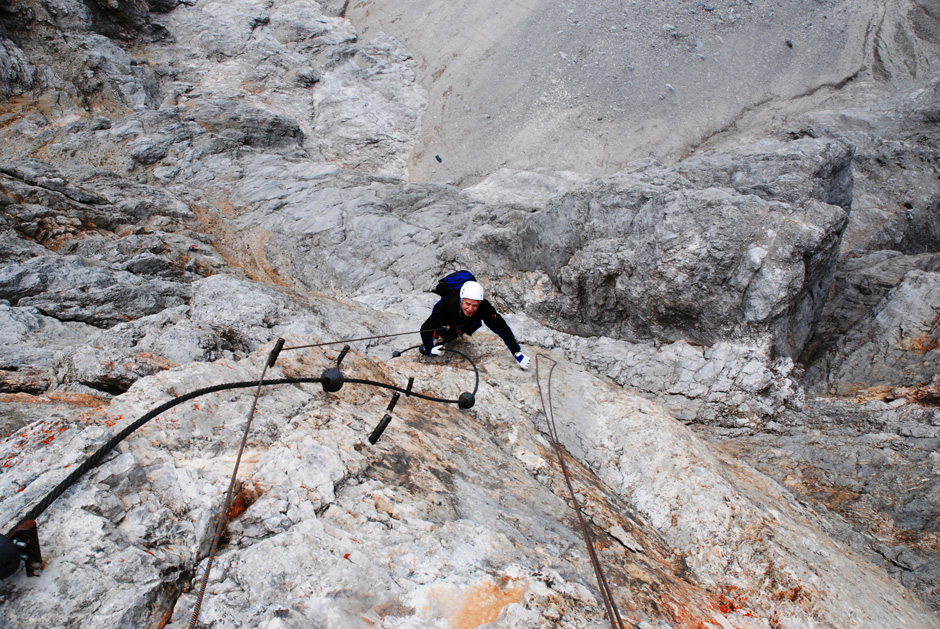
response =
{"points": [[450, 284]]}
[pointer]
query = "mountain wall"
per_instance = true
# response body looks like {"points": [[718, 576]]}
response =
{"points": [[618, 81], [719, 222]]}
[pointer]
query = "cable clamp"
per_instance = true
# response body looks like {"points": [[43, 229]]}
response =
{"points": [[26, 538], [272, 357]]}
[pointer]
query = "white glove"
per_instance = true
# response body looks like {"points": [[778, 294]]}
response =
{"points": [[436, 351], [522, 359]]}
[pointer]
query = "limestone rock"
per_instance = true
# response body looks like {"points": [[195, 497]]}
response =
{"points": [[183, 182], [711, 264], [243, 124], [30, 339], [893, 169], [17, 74], [897, 346], [608, 84], [862, 281], [698, 501], [791, 171], [418, 527], [873, 465], [70, 288]]}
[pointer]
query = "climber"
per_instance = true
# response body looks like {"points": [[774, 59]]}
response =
{"points": [[464, 313]]}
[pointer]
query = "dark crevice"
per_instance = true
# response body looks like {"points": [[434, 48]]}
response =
{"points": [[106, 388], [169, 594], [101, 325]]}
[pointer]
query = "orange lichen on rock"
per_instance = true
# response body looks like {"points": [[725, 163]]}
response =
{"points": [[22, 398], [926, 394], [244, 499], [861, 394], [478, 605], [157, 361], [921, 343], [74, 399], [77, 399]]}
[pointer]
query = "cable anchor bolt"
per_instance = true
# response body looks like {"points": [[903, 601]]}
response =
{"points": [[275, 352], [374, 437], [342, 355]]}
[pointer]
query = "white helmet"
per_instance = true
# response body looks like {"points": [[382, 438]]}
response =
{"points": [[471, 290]]}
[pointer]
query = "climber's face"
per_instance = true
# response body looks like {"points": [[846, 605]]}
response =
{"points": [[469, 306]]}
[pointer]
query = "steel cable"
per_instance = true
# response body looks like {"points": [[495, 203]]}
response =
{"points": [[613, 614], [95, 459], [224, 512], [364, 338]]}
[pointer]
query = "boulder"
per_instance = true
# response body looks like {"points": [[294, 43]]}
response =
{"points": [[17, 74], [896, 347], [70, 288], [655, 257], [862, 281]]}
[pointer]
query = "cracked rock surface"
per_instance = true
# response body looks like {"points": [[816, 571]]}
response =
{"points": [[720, 221]]}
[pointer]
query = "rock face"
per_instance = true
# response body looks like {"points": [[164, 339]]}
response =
{"points": [[657, 258], [903, 334], [440, 522], [182, 183], [874, 464], [616, 82]]}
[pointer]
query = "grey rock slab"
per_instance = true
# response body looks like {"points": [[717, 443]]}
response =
{"points": [[17, 74], [895, 347], [697, 501], [56, 205], [893, 171], [303, 476], [368, 110], [228, 316], [861, 282], [276, 141], [507, 186], [438, 516], [244, 124], [788, 171], [872, 466], [359, 106], [594, 87], [30, 339], [24, 408], [76, 55], [653, 255], [71, 288], [337, 231], [114, 359]]}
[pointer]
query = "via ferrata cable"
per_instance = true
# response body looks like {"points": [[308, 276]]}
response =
{"points": [[613, 614], [224, 512], [331, 380], [364, 338]]}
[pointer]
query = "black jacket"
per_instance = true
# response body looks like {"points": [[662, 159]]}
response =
{"points": [[447, 313]]}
